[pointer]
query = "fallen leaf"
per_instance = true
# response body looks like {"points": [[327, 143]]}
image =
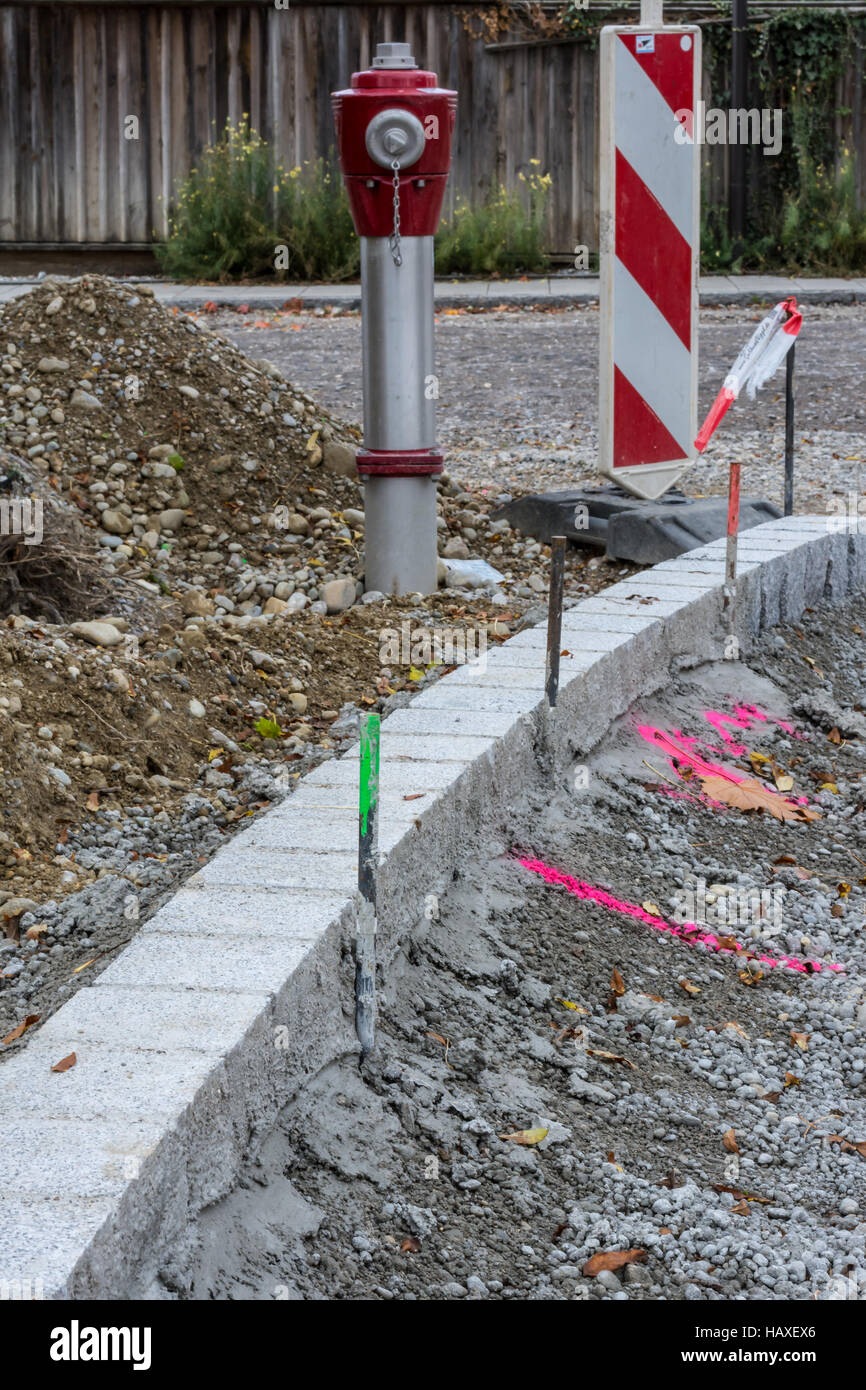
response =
{"points": [[772, 1097], [567, 1004], [729, 1139], [791, 1079], [834, 736], [740, 1195], [754, 796], [750, 976], [800, 1040], [613, 1260], [610, 1057], [740, 1208], [736, 1028], [682, 1020], [410, 1246], [784, 782], [92, 802], [527, 1136], [65, 1063], [651, 907], [848, 1146], [689, 988], [414, 796], [617, 990], [22, 1027]]}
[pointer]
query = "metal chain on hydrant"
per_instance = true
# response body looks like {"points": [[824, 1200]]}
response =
{"points": [[394, 239]]}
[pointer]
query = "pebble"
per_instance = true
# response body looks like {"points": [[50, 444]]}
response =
{"points": [[100, 634]]}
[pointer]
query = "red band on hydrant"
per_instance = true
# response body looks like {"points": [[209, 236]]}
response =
{"points": [[386, 463]]}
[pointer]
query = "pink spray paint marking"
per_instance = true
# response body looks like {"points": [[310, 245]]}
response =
{"points": [[689, 932], [742, 718], [679, 752], [680, 749]]}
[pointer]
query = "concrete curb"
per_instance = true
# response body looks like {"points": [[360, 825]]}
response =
{"points": [[240, 987], [544, 292]]}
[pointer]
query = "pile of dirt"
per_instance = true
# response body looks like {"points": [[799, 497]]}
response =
{"points": [[185, 605]]}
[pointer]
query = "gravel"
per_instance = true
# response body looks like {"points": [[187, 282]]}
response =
{"points": [[518, 394], [704, 1112]]}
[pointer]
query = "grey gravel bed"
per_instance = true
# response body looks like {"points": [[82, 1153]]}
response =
{"points": [[717, 1135], [518, 394]]}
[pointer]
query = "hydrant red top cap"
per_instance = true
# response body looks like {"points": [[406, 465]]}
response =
{"points": [[392, 84], [392, 79]]}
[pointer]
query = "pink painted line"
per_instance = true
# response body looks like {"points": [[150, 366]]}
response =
{"points": [[690, 932]]}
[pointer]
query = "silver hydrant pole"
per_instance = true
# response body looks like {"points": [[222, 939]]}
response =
{"points": [[394, 128], [400, 533]]}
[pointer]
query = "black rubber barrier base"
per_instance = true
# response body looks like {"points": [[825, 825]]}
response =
{"points": [[625, 528]]}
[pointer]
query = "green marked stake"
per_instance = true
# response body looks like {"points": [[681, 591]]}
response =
{"points": [[368, 853]]}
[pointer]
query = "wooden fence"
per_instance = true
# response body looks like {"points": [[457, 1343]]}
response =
{"points": [[76, 170]]}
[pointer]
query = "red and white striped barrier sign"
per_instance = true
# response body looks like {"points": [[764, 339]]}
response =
{"points": [[762, 356], [649, 253]]}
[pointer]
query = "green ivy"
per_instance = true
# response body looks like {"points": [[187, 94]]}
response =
{"points": [[802, 210]]}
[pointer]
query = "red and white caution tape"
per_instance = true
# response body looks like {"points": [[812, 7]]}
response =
{"points": [[762, 356]]}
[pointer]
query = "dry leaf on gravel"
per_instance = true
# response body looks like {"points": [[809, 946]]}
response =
{"points": [[737, 1028], [18, 1032], [751, 975], [410, 1246], [65, 1063], [617, 990], [689, 988], [729, 1139], [800, 1040], [610, 1057], [527, 1136], [613, 1260], [740, 1195], [754, 796], [567, 1004], [848, 1146]]}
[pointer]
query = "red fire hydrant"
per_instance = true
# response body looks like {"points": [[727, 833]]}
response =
{"points": [[394, 128]]}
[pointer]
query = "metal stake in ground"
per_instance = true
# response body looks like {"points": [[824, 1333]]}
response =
{"points": [[789, 431], [554, 620], [368, 854], [730, 588]]}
